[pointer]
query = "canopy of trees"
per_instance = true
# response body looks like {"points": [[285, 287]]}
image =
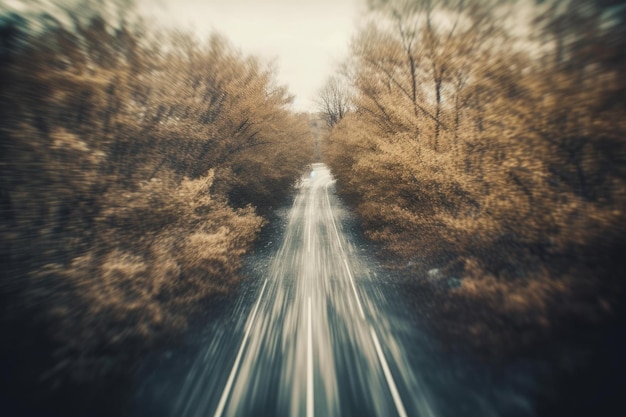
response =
{"points": [[486, 152], [133, 171]]}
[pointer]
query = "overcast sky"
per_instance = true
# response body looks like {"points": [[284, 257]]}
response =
{"points": [[306, 37]]}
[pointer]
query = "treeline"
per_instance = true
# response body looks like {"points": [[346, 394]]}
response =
{"points": [[134, 170], [485, 151]]}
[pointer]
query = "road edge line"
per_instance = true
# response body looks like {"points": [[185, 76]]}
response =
{"points": [[309, 363], [231, 377], [392, 384]]}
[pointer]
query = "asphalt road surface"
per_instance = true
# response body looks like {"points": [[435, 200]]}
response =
{"points": [[317, 336]]}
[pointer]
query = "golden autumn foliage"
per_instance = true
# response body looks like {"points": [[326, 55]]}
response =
{"points": [[486, 152], [134, 169]]}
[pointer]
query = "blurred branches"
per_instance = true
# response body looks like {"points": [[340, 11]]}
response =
{"points": [[487, 140], [133, 169], [334, 101]]}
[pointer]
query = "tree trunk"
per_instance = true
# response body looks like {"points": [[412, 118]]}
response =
{"points": [[438, 81]]}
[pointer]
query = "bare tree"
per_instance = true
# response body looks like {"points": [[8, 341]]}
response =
{"points": [[334, 101]]}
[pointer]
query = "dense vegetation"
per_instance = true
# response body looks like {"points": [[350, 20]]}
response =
{"points": [[134, 170], [485, 151]]}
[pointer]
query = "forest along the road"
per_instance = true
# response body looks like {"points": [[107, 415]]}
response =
{"points": [[317, 338]]}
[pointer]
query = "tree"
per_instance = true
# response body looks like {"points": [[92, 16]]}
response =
{"points": [[147, 160], [334, 101], [501, 146]]}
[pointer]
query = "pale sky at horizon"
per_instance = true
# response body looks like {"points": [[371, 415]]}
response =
{"points": [[306, 38]]}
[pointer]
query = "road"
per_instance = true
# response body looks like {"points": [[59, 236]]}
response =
{"points": [[317, 337]]}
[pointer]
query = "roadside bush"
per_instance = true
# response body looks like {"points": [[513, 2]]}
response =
{"points": [[134, 169], [477, 159]]}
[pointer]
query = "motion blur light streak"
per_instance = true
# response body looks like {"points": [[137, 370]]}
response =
{"points": [[311, 300], [465, 258], [323, 338], [233, 372]]}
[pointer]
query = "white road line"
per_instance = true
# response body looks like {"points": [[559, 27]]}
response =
{"points": [[392, 385], [381, 357], [308, 220], [332, 218], [345, 261], [233, 372], [356, 295], [309, 367]]}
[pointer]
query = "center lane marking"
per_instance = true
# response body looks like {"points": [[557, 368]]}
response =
{"points": [[309, 366]]}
